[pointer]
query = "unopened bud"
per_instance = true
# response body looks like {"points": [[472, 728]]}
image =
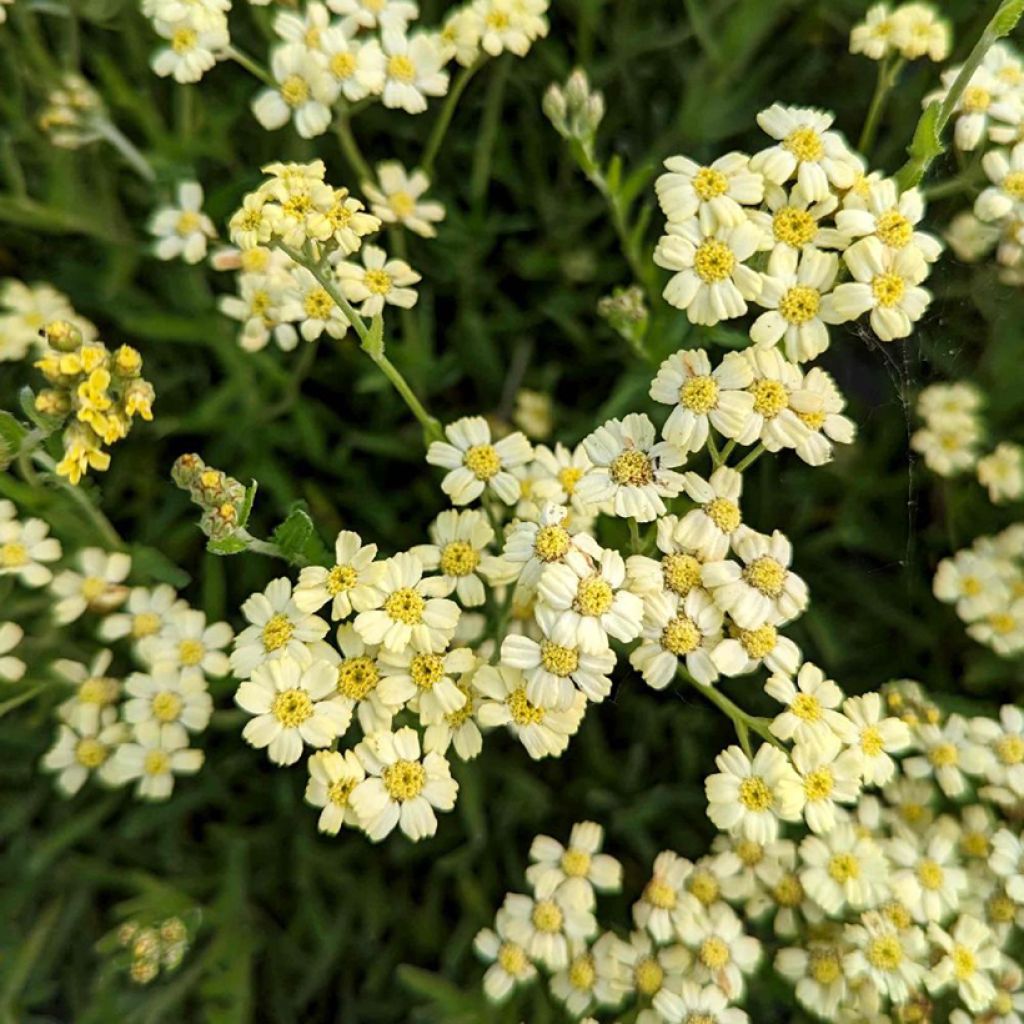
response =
{"points": [[63, 336]]}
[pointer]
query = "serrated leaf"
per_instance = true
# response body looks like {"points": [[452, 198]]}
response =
{"points": [[292, 535], [11, 430], [27, 400], [926, 142], [1007, 17], [230, 545]]}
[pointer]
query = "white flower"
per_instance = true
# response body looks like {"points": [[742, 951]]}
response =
{"points": [[191, 51], [702, 397], [458, 548], [95, 691], [890, 959], [97, 587], [475, 463], [678, 570], [816, 968], [332, 777], [573, 872], [661, 896], [743, 650], [396, 199], [749, 797], [945, 403], [873, 36], [695, 1002], [983, 101], [358, 686], [305, 91], [154, 758], [189, 645], [458, 728], [378, 281], [554, 673], [796, 222], [1002, 472], [583, 601], [1006, 738], [970, 953], [534, 545], [258, 308], [357, 65], [711, 280], [844, 869], [972, 581], [810, 718], [947, 754], [145, 614], [278, 628], [648, 970], [11, 668], [348, 584], [724, 187], [928, 879], [424, 681], [826, 782], [877, 737], [414, 70], [891, 217], [1003, 631], [405, 614], [168, 698], [509, 962], [1007, 862], [401, 787], [796, 294], [631, 470], [182, 230], [1005, 197], [709, 528], [86, 749], [307, 302], [819, 405], [509, 25], [560, 470], [723, 954], [545, 732], [765, 589], [948, 450], [291, 699], [546, 928], [807, 150], [387, 14], [677, 629], [969, 238], [777, 388], [918, 31], [26, 309]]}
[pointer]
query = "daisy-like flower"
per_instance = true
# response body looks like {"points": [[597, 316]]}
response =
{"points": [[190, 646], [549, 540], [764, 589], [190, 52], [944, 402], [827, 781], [891, 217], [357, 65], [709, 528], [920, 32], [387, 14], [877, 737], [1003, 631], [702, 398], [1007, 862], [258, 308], [1002, 472], [648, 969], [404, 612], [973, 582], [183, 229], [95, 691], [544, 732], [84, 750], [561, 469], [1006, 739], [816, 969], [947, 753], [11, 668], [693, 1002], [889, 958], [711, 280], [777, 388], [304, 93], [458, 548], [592, 974], [655, 910], [980, 104], [744, 650], [332, 777], [970, 957], [547, 928], [25, 547], [677, 571], [509, 963], [819, 406], [676, 630], [307, 27], [583, 602], [155, 757], [796, 293], [1005, 196], [723, 954], [290, 698], [458, 728], [554, 673], [749, 797], [873, 36], [358, 686], [309, 304], [424, 681], [793, 221], [402, 787], [510, 25], [949, 450], [413, 70], [474, 463], [806, 150], [278, 627], [378, 281], [396, 198], [168, 698], [844, 869], [96, 587], [724, 187], [631, 470], [573, 872], [348, 584], [928, 879], [145, 614], [811, 717]]}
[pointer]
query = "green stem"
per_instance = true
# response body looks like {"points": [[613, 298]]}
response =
{"points": [[250, 64], [102, 524], [750, 458], [126, 148], [743, 722], [444, 119], [716, 456], [888, 72], [728, 450], [268, 548], [634, 536], [966, 182], [349, 146]]}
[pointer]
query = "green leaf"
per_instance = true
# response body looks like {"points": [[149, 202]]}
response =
{"points": [[155, 565], [246, 510], [11, 430], [1007, 17], [298, 540], [27, 399], [230, 545]]}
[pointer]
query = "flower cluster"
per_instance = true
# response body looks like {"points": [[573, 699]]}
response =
{"points": [[152, 949], [95, 392], [221, 497], [887, 904], [75, 114], [909, 31]]}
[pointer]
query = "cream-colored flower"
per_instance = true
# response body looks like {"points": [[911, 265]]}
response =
{"points": [[663, 894], [723, 953], [84, 750], [811, 717], [155, 757], [183, 229], [947, 753], [918, 31], [928, 878], [96, 692], [695, 1002], [189, 646], [534, 545], [709, 528], [458, 553], [677, 630], [167, 697], [827, 781], [889, 958], [145, 614], [191, 49], [332, 777], [356, 64], [11, 668], [970, 956], [97, 586], [413, 69], [792, 220], [509, 962], [384, 14], [308, 303], [546, 928], [305, 91], [555, 673], [744, 650], [724, 187], [873, 36], [1002, 472], [844, 869], [474, 463], [949, 450], [358, 685], [877, 737], [777, 388], [819, 406], [396, 198], [574, 871], [425, 681], [378, 281], [890, 216], [348, 584]]}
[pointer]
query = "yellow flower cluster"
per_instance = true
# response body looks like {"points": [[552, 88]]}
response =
{"points": [[96, 391], [151, 948]]}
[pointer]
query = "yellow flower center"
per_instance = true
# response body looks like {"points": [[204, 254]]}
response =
{"points": [[298, 204], [724, 514], [497, 20], [704, 886], [766, 575], [93, 587], [482, 461], [976, 100], [680, 636], [402, 204], [897, 914], [582, 973], [871, 741], [559, 661], [754, 794], [594, 596], [343, 64], [401, 68], [749, 852], [1010, 749], [98, 690], [699, 395], [770, 397], [405, 605], [338, 792], [800, 304], [259, 304], [964, 962], [318, 304], [930, 874], [632, 469], [426, 670], [713, 953], [648, 976], [377, 281], [660, 894], [975, 844], [812, 420], [1001, 622], [157, 762], [818, 784], [357, 677], [794, 227], [512, 959], [884, 953], [888, 289], [551, 543], [295, 90], [292, 707], [459, 559], [340, 579], [971, 586], [190, 652], [681, 573], [1001, 909], [187, 222], [277, 632], [90, 753], [166, 706], [1013, 184], [547, 916], [1002, 1003], [805, 144], [894, 229], [842, 867], [714, 261], [404, 780], [145, 624], [943, 755], [760, 642], [824, 966], [569, 478], [788, 891], [521, 710], [575, 863], [807, 707], [709, 183], [13, 555], [183, 40]]}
